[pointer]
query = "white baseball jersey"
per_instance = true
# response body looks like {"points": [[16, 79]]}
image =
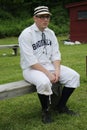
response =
{"points": [[34, 50]]}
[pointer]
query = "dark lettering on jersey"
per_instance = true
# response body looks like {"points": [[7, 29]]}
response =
{"points": [[41, 43]]}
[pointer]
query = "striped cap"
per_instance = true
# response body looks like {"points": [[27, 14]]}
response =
{"points": [[41, 10]]}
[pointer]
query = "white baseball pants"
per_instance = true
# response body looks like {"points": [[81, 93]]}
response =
{"points": [[68, 77]]}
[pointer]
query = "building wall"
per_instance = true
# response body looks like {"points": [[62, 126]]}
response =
{"points": [[78, 27]]}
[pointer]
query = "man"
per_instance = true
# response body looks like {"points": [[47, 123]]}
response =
{"points": [[40, 62]]}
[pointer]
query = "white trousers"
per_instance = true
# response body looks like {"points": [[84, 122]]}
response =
{"points": [[68, 77]]}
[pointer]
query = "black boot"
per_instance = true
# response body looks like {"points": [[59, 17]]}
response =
{"points": [[46, 115], [61, 107]]}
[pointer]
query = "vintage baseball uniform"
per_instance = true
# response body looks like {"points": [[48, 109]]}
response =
{"points": [[33, 50]]}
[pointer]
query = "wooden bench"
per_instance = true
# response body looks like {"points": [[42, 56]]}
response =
{"points": [[19, 88], [14, 89], [13, 46]]}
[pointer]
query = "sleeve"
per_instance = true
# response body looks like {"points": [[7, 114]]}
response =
{"points": [[26, 50], [56, 55]]}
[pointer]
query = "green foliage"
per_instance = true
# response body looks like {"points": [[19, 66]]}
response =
{"points": [[5, 15], [60, 15], [59, 30], [15, 15], [13, 27]]}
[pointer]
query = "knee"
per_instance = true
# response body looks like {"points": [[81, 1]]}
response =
{"points": [[77, 76], [44, 87], [73, 80], [45, 83], [76, 80]]}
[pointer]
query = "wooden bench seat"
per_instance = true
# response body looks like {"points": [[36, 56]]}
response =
{"points": [[19, 88], [14, 89], [13, 46]]}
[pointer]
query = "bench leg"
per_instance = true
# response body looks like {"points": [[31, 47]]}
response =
{"points": [[15, 51]]}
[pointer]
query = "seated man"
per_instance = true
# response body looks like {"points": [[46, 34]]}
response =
{"points": [[40, 62]]}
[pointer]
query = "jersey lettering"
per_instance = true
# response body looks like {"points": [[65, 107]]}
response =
{"points": [[41, 43]]}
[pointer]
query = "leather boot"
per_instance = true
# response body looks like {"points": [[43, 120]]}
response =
{"points": [[46, 114], [61, 107]]}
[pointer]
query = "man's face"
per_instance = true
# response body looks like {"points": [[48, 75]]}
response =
{"points": [[42, 21]]}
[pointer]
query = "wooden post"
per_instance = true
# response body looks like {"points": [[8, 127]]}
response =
{"points": [[86, 65]]}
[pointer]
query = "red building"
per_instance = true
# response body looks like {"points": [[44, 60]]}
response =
{"points": [[78, 21]]}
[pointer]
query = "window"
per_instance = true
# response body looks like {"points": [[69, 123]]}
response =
{"points": [[82, 14]]}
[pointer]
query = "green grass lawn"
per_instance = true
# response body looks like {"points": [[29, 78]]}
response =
{"points": [[23, 113]]}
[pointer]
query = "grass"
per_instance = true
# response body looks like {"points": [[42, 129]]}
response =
{"points": [[10, 65], [23, 113]]}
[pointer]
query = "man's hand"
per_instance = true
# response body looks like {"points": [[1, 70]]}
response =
{"points": [[57, 70], [53, 77], [57, 76]]}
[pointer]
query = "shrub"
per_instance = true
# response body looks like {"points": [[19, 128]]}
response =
{"points": [[12, 26], [5, 15]]}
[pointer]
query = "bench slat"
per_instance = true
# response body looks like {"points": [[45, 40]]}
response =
{"points": [[9, 46], [14, 89]]}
